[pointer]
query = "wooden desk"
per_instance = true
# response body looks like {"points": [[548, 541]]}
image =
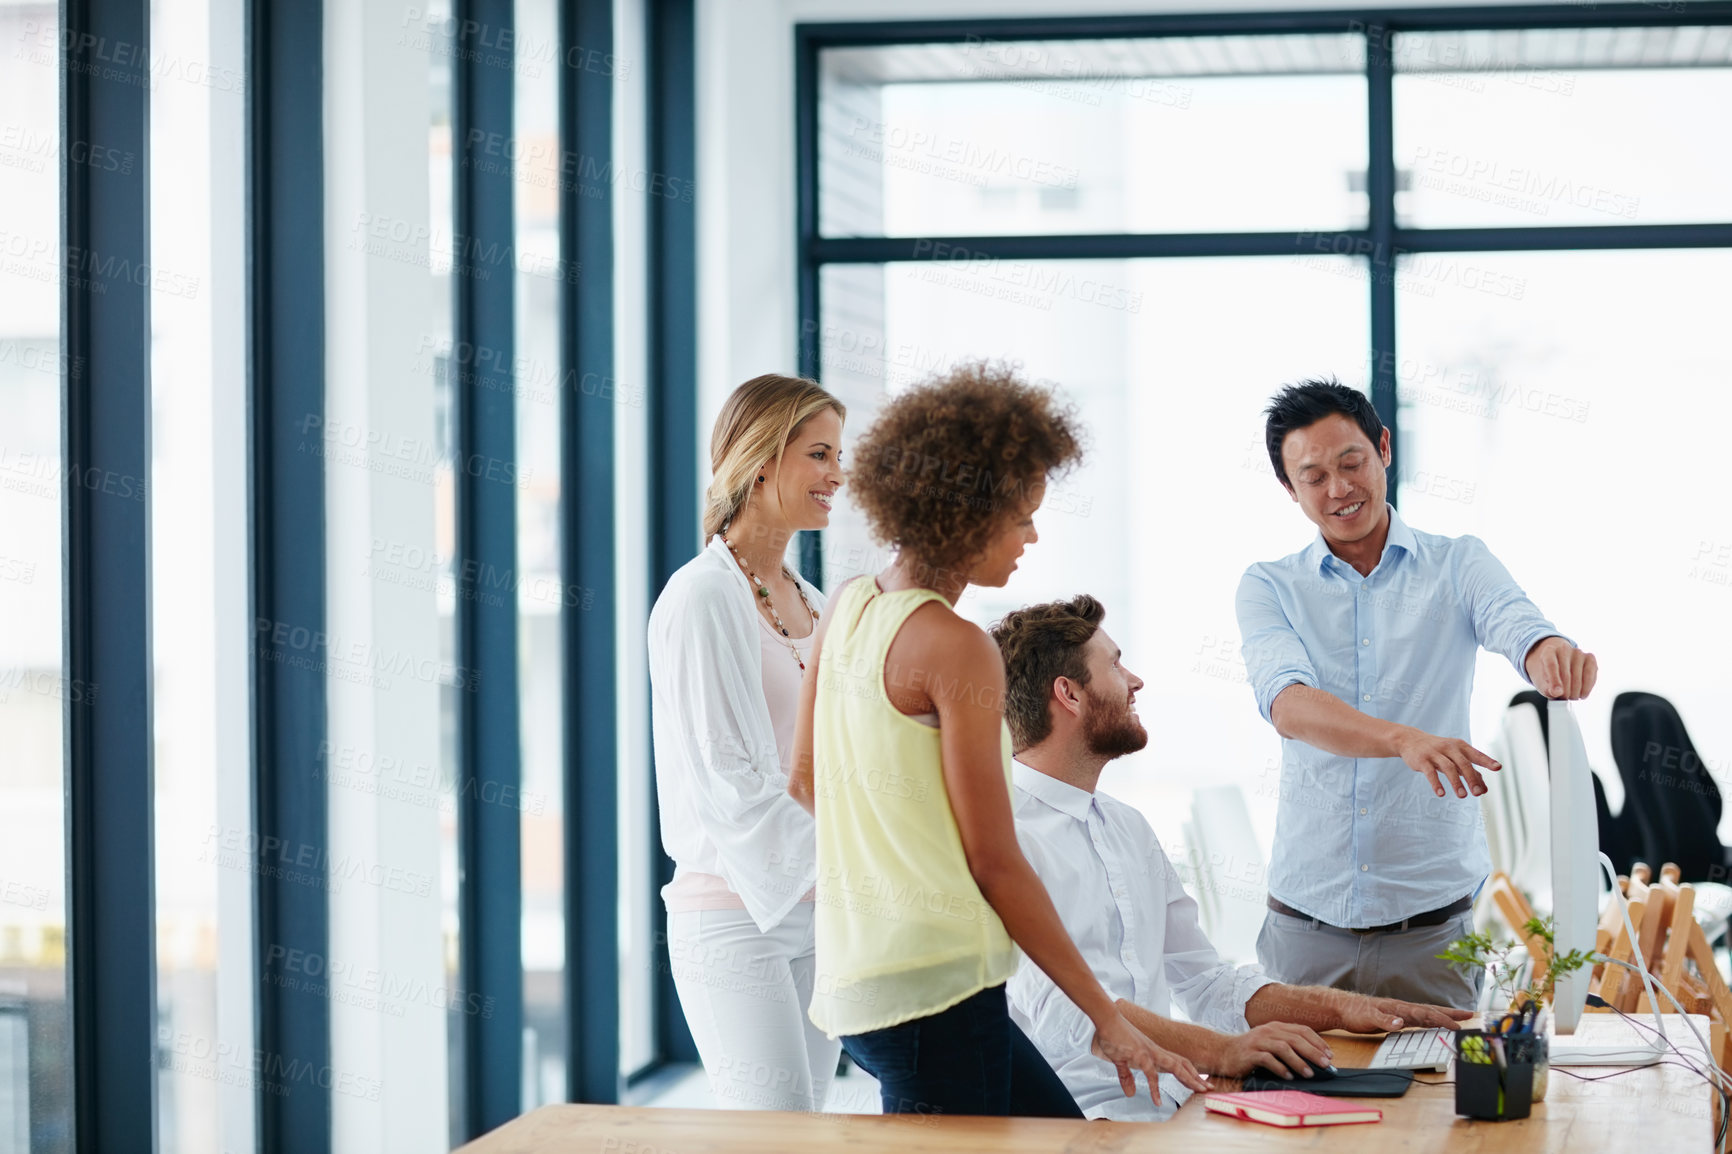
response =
{"points": [[1658, 1108]]}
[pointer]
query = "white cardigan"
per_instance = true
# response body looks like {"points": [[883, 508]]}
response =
{"points": [[724, 800]]}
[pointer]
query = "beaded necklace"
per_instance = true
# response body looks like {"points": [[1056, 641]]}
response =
{"points": [[764, 592]]}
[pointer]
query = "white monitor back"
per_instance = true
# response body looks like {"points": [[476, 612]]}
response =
{"points": [[1575, 837]]}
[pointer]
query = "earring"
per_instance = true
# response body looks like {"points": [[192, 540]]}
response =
{"points": [[760, 480]]}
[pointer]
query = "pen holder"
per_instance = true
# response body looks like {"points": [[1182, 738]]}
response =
{"points": [[1492, 1090]]}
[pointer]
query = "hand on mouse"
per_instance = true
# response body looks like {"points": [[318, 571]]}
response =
{"points": [[1282, 1048]]}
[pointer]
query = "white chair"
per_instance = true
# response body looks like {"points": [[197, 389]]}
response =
{"points": [[1495, 808], [1518, 824], [1529, 793], [1232, 883]]}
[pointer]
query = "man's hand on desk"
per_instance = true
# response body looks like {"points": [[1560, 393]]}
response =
{"points": [[1444, 757], [1363, 1015], [1560, 670]]}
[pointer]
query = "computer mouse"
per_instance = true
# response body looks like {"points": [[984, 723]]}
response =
{"points": [[1318, 1074]]}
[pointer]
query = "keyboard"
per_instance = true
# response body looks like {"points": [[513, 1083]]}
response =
{"points": [[1415, 1050]]}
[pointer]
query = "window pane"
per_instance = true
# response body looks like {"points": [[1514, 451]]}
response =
{"points": [[1176, 496], [1173, 135], [442, 257], [1564, 127], [198, 582], [540, 648], [639, 846], [397, 998], [1592, 468], [35, 1026]]}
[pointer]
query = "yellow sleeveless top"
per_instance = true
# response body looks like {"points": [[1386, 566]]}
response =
{"points": [[902, 930]]}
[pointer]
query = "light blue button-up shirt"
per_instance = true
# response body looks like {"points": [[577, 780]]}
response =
{"points": [[1364, 841]]}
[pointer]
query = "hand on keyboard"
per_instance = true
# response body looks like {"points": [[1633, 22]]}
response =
{"points": [[1362, 1015]]}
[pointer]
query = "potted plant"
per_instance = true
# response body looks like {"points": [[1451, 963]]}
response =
{"points": [[1502, 1069]]}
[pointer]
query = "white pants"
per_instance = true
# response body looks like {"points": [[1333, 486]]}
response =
{"points": [[745, 995]]}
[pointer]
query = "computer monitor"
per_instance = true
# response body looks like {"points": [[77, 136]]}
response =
{"points": [[1575, 834], [1576, 868]]}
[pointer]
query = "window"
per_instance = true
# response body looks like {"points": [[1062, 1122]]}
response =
{"points": [[1591, 466], [1170, 223], [203, 782], [399, 1009], [35, 1023], [540, 600], [1142, 348], [1179, 135], [1562, 126]]}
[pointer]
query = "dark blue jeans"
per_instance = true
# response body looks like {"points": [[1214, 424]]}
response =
{"points": [[969, 1059]]}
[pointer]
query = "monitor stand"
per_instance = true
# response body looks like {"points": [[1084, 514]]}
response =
{"points": [[1607, 1040]]}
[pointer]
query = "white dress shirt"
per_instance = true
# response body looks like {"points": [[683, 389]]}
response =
{"points": [[1124, 906], [722, 786]]}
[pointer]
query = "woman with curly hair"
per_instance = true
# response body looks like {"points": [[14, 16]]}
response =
{"points": [[729, 639], [902, 753]]}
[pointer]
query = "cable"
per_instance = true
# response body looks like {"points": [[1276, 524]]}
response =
{"points": [[1641, 965], [1688, 1063], [1716, 1078], [1713, 1075]]}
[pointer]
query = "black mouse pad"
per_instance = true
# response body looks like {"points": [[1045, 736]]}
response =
{"points": [[1341, 1082]]}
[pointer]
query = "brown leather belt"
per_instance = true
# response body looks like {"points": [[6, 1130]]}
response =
{"points": [[1429, 918]]}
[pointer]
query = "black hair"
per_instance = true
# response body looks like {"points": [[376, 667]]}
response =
{"points": [[1304, 404]]}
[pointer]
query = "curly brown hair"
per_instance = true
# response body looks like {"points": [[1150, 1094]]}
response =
{"points": [[1041, 644], [949, 461]]}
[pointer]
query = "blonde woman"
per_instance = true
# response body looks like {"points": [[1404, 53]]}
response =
{"points": [[729, 640]]}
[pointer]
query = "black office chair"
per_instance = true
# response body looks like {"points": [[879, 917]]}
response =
{"points": [[1667, 788], [1618, 839]]}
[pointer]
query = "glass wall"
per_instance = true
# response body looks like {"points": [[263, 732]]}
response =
{"points": [[400, 1013], [35, 1025], [1056, 137], [1196, 134], [1567, 126], [1536, 386], [198, 569], [1530, 384], [388, 984], [1576, 432], [1146, 351], [541, 600], [448, 256], [639, 835]]}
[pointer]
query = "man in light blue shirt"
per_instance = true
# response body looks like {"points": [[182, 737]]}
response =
{"points": [[1361, 650]]}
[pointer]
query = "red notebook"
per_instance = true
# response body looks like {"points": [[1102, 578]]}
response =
{"points": [[1290, 1108]]}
